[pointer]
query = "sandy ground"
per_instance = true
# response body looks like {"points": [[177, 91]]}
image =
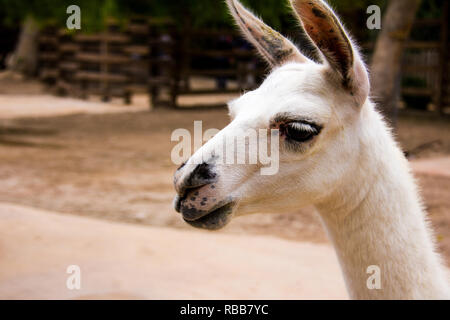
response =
{"points": [[27, 98], [20, 98], [116, 166], [50, 106], [120, 261]]}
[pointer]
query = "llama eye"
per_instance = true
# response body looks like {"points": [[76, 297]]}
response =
{"points": [[300, 132]]}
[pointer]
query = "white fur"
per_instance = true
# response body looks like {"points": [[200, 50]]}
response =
{"points": [[353, 172], [355, 175]]}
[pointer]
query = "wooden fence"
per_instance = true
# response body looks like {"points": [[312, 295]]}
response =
{"points": [[147, 56], [217, 55], [425, 65], [152, 56]]}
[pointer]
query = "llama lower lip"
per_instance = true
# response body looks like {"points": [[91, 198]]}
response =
{"points": [[214, 220]]}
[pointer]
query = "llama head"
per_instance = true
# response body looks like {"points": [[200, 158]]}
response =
{"points": [[314, 108]]}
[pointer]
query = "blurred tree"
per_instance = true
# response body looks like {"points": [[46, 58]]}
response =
{"points": [[386, 63], [24, 58]]}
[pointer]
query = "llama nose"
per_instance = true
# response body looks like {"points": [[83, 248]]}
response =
{"points": [[191, 176]]}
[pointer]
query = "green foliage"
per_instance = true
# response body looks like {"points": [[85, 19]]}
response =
{"points": [[431, 9], [93, 12]]}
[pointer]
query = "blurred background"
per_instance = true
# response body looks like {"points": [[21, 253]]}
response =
{"points": [[86, 115]]}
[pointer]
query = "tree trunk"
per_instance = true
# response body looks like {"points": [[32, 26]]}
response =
{"points": [[24, 59], [387, 59]]}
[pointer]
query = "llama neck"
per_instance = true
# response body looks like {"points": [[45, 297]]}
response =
{"points": [[377, 220]]}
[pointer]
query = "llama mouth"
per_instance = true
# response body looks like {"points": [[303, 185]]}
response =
{"points": [[216, 219]]}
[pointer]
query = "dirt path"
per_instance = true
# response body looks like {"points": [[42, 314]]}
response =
{"points": [[30, 106], [98, 161], [132, 262]]}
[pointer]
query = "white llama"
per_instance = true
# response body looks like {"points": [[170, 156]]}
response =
{"points": [[336, 153]]}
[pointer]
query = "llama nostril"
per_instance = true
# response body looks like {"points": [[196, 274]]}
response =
{"points": [[202, 174]]}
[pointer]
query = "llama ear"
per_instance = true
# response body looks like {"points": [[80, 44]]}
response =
{"points": [[328, 34], [274, 48]]}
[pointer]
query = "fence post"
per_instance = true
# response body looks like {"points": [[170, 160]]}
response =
{"points": [[48, 55], [66, 83]]}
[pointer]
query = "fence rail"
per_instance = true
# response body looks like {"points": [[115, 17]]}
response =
{"points": [[148, 56], [152, 56]]}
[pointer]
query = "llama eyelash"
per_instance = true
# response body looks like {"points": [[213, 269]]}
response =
{"points": [[298, 135], [302, 126]]}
